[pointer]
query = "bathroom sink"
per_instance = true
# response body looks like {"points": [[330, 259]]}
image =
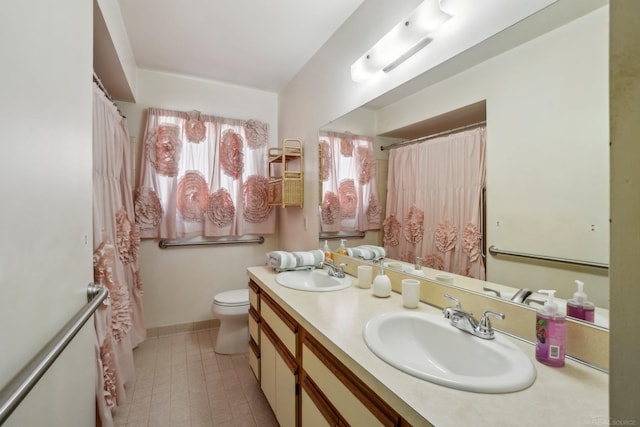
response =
{"points": [[426, 346], [314, 281]]}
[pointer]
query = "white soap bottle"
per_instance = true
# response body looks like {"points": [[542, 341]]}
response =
{"points": [[381, 284]]}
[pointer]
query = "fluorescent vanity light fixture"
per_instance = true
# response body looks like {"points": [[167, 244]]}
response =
{"points": [[403, 41]]}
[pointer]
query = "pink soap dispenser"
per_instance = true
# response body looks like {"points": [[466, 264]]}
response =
{"points": [[579, 307], [551, 329]]}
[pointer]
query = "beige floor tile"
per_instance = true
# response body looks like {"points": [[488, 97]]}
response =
{"points": [[181, 381]]}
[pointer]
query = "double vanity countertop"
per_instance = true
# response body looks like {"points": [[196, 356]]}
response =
{"points": [[574, 395]]}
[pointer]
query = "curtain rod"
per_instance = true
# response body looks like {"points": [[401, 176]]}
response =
{"points": [[104, 90], [435, 135]]}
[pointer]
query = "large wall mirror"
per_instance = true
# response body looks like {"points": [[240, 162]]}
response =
{"points": [[545, 108]]}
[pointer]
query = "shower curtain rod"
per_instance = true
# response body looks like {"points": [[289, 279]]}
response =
{"points": [[104, 90], [435, 135]]}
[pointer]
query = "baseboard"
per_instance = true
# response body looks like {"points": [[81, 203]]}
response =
{"points": [[183, 327]]}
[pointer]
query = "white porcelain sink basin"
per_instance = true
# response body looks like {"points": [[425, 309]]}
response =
{"points": [[426, 346], [314, 281]]}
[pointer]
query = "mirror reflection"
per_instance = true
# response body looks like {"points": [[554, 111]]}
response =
{"points": [[539, 124]]}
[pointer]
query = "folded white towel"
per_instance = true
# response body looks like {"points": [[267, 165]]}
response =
{"points": [[367, 252], [283, 260]]}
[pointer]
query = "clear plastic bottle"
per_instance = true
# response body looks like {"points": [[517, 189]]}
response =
{"points": [[342, 249], [580, 307], [328, 256], [551, 330]]}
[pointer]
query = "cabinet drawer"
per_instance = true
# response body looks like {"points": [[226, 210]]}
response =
{"points": [[353, 400], [347, 404], [254, 359], [254, 296], [254, 325], [284, 327]]}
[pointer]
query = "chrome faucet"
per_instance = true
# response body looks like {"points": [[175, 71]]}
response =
{"points": [[465, 321], [335, 270]]}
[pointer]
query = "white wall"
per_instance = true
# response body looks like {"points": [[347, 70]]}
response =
{"points": [[547, 152], [46, 215], [180, 282]]}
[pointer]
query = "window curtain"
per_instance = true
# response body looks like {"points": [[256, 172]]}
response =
{"points": [[119, 321], [350, 199], [203, 176], [434, 203]]}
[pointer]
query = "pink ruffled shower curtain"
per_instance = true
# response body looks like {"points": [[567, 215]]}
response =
{"points": [[119, 321], [350, 199], [202, 175], [434, 203]]}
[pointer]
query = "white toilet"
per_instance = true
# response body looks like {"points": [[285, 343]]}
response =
{"points": [[232, 308]]}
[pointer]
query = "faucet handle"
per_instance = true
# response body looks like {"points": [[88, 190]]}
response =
{"points": [[484, 326], [454, 299]]}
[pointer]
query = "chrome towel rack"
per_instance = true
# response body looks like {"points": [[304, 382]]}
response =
{"points": [[328, 236], [493, 250], [165, 243], [21, 384]]}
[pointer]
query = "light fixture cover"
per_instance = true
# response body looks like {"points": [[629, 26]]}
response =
{"points": [[405, 39]]}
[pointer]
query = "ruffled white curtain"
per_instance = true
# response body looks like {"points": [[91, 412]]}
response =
{"points": [[203, 176], [434, 203], [350, 199], [119, 320]]}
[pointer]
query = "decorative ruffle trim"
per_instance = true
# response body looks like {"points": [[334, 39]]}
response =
{"points": [[257, 133], [109, 373], [445, 236], [256, 199], [365, 165], [391, 227], [164, 147], [330, 211], [434, 261], [413, 227], [326, 160], [103, 262], [471, 238], [374, 210], [194, 128], [232, 154], [148, 211], [193, 193], [348, 198], [127, 237], [346, 145], [220, 210]]}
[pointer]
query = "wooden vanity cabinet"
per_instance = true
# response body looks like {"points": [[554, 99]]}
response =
{"points": [[278, 361], [303, 382], [254, 328], [336, 393]]}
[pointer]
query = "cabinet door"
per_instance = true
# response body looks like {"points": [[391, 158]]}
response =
{"points": [[315, 411], [268, 369], [278, 371], [285, 393]]}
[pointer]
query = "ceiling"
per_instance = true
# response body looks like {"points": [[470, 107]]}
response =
{"points": [[257, 44]]}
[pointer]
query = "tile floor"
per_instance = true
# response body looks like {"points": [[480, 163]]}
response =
{"points": [[180, 381]]}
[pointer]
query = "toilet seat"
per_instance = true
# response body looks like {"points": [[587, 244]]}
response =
{"points": [[235, 298]]}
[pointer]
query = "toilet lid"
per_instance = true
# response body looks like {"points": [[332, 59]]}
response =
{"points": [[232, 298]]}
